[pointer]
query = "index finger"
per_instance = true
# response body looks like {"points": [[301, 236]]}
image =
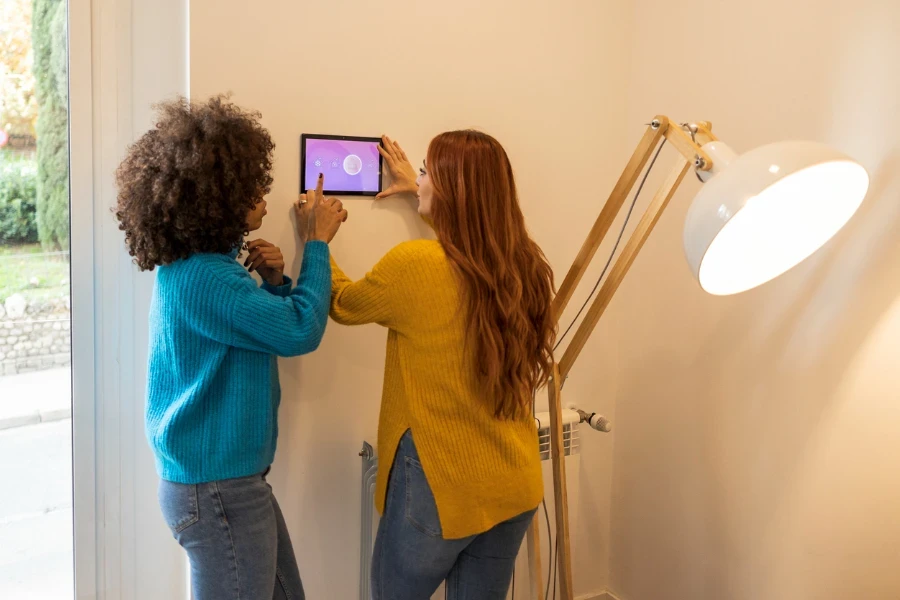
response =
{"points": [[320, 185]]}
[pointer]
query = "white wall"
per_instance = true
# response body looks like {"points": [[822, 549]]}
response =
{"points": [[756, 447], [547, 80], [755, 451]]}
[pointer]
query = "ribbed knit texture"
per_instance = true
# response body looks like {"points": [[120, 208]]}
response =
{"points": [[482, 470], [213, 391]]}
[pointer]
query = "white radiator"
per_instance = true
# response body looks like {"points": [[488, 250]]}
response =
{"points": [[369, 517], [571, 441]]}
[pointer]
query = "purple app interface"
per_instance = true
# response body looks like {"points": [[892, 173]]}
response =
{"points": [[349, 166]]}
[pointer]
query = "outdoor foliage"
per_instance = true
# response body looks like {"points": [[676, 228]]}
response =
{"points": [[18, 214], [51, 84]]}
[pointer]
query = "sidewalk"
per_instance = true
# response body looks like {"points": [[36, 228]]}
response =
{"points": [[38, 397]]}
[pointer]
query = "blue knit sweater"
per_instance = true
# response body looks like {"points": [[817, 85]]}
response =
{"points": [[213, 391]]}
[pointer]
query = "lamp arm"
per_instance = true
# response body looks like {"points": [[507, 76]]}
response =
{"points": [[660, 127], [617, 197], [703, 134], [686, 142], [623, 263]]}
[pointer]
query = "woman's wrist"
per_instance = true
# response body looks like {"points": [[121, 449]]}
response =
{"points": [[275, 281]]}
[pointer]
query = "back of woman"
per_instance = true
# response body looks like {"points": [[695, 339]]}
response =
{"points": [[470, 337]]}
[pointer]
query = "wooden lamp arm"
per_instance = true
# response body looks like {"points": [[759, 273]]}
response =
{"points": [[623, 263], [604, 221], [660, 127], [688, 143]]}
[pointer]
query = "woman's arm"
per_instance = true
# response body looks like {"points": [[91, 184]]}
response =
{"points": [[255, 318], [369, 300], [234, 311], [377, 298], [383, 294]]}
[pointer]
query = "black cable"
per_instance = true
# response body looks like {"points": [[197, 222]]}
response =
{"points": [[514, 583], [616, 247]]}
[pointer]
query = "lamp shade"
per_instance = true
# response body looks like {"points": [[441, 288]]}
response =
{"points": [[765, 211]]}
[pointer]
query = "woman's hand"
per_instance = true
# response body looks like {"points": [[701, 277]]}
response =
{"points": [[267, 260], [403, 175], [322, 217]]}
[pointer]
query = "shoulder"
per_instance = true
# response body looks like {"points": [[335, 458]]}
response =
{"points": [[415, 262], [416, 251]]}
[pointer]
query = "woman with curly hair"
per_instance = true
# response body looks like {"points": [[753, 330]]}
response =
{"points": [[189, 191]]}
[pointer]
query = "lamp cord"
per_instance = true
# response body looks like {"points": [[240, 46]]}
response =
{"points": [[615, 247]]}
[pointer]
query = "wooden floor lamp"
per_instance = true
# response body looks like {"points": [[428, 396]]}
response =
{"points": [[764, 187]]}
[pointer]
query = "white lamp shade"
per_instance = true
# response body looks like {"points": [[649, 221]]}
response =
{"points": [[767, 211]]}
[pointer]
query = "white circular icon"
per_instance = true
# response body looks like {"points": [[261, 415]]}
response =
{"points": [[352, 164]]}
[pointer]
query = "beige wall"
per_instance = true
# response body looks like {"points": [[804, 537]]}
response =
{"points": [[547, 80], [754, 436], [756, 444]]}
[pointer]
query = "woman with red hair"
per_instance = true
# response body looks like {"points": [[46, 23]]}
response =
{"points": [[470, 337]]}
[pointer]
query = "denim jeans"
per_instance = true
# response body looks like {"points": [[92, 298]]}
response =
{"points": [[411, 558], [236, 539]]}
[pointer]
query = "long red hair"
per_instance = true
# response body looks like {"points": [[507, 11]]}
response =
{"points": [[506, 279]]}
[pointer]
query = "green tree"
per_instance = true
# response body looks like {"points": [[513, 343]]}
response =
{"points": [[17, 211], [48, 39]]}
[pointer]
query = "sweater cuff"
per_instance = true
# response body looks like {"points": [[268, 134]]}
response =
{"points": [[283, 290], [316, 258], [316, 250]]}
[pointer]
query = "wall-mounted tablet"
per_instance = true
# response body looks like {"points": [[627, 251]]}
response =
{"points": [[351, 165]]}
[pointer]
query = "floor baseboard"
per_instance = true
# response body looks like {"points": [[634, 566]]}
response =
{"points": [[603, 596]]}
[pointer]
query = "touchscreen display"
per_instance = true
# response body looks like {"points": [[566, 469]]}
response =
{"points": [[350, 166]]}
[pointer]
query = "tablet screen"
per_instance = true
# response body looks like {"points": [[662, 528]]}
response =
{"points": [[351, 165]]}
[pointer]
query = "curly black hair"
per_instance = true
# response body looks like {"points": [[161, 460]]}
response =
{"points": [[186, 186]]}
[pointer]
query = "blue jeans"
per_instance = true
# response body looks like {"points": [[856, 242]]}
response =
{"points": [[411, 558], [236, 539]]}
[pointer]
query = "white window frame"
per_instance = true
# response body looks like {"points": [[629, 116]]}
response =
{"points": [[124, 56]]}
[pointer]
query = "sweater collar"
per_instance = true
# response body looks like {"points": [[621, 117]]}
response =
{"points": [[234, 252]]}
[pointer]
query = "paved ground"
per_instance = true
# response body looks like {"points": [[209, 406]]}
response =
{"points": [[31, 398], [36, 511]]}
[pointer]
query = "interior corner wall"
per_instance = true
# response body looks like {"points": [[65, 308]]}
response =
{"points": [[756, 450], [547, 80]]}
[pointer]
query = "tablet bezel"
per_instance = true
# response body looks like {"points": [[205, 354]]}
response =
{"points": [[346, 138]]}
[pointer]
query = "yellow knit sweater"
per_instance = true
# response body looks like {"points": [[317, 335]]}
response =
{"points": [[482, 470]]}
